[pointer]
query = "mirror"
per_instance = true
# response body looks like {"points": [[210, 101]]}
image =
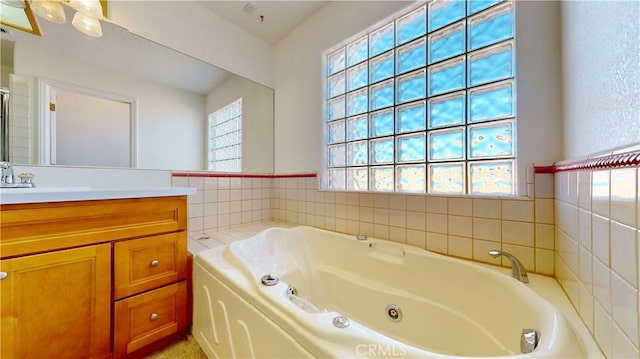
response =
{"points": [[171, 96]]}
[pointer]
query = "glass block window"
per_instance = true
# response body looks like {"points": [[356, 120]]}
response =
{"points": [[225, 138], [425, 103]]}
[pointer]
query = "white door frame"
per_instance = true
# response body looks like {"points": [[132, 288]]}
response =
{"points": [[47, 119]]}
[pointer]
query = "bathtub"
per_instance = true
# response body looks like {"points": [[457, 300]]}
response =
{"points": [[330, 295]]}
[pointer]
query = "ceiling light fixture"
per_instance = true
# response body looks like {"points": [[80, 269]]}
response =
{"points": [[87, 24], [49, 10], [86, 19], [18, 4]]}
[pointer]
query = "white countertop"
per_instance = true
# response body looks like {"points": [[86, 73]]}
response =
{"points": [[65, 194]]}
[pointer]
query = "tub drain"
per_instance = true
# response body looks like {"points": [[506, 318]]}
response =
{"points": [[269, 280], [394, 313]]}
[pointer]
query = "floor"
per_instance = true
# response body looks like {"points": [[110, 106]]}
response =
{"points": [[185, 349]]}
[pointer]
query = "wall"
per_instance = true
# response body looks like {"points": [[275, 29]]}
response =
{"points": [[167, 118], [298, 65], [6, 62], [597, 210], [601, 75], [597, 253], [461, 227], [20, 128], [95, 177], [224, 200], [257, 120], [298, 78], [188, 27]]}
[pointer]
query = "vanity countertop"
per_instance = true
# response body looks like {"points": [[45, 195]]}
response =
{"points": [[65, 194]]}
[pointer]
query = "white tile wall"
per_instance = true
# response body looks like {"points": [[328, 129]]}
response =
{"points": [[20, 132], [222, 202], [458, 226], [598, 250]]}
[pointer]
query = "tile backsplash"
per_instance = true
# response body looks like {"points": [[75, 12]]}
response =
{"points": [[223, 202], [598, 250], [464, 227]]}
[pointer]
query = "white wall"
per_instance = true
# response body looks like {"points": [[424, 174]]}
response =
{"points": [[190, 28], [298, 81], [601, 75], [170, 121], [257, 120], [298, 78]]}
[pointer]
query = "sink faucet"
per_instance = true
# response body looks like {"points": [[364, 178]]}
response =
{"points": [[8, 180], [7, 173], [517, 269]]}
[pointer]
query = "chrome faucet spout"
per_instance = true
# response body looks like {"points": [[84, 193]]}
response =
{"points": [[7, 173], [517, 269]]}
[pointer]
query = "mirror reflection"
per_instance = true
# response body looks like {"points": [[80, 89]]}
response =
{"points": [[124, 101]]}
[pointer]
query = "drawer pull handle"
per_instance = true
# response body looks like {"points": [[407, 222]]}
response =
{"points": [[154, 263], [154, 316], [3, 275]]}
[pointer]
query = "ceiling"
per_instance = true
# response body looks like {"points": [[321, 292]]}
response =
{"points": [[270, 21]]}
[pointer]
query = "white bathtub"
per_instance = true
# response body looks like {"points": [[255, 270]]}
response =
{"points": [[449, 307]]}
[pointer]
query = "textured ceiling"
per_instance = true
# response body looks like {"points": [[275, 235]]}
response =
{"points": [[267, 20]]}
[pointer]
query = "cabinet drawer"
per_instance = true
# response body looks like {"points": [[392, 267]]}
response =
{"points": [[150, 262], [148, 317], [40, 227]]}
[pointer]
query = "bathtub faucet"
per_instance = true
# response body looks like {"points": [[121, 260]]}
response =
{"points": [[517, 269]]}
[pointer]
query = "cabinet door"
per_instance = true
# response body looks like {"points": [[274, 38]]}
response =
{"points": [[57, 304]]}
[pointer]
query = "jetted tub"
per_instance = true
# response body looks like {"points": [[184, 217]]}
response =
{"points": [[332, 295]]}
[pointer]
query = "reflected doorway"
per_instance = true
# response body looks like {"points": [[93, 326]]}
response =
{"points": [[90, 129]]}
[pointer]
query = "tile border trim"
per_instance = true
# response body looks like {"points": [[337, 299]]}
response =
{"points": [[241, 175], [617, 160]]}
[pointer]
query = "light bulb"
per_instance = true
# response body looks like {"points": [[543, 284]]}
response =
{"points": [[87, 25], [87, 7], [49, 10]]}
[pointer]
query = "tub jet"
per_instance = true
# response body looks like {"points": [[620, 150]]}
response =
{"points": [[341, 321], [394, 313]]}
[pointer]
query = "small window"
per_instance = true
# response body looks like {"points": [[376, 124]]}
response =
{"points": [[225, 138]]}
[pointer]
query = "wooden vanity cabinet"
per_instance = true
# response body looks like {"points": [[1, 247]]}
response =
{"points": [[91, 279]]}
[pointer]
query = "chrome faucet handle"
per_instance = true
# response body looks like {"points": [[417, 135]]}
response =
{"points": [[7, 173], [26, 179], [517, 269]]}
